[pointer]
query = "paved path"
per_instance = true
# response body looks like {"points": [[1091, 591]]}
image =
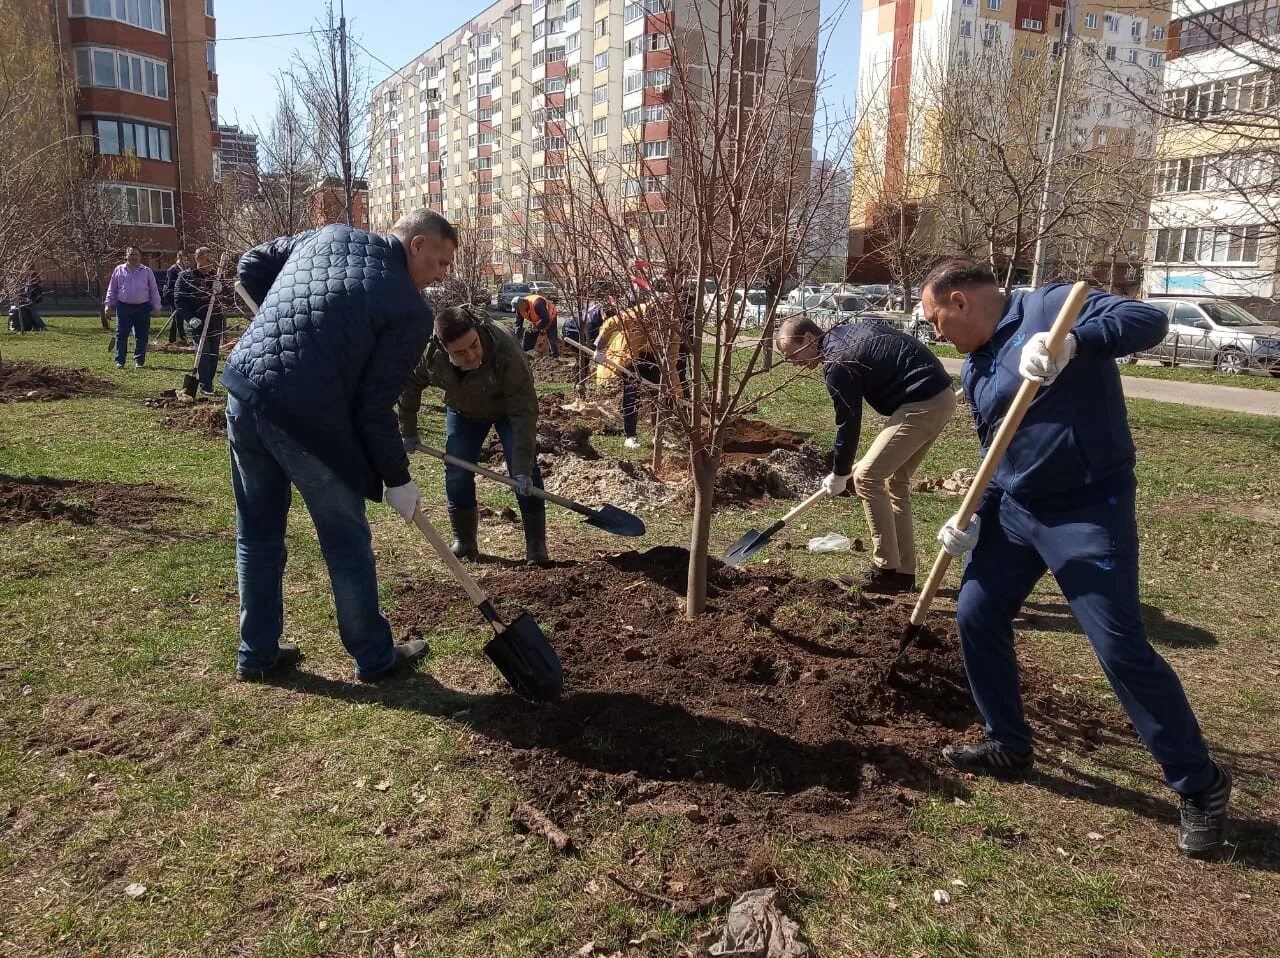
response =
{"points": [[1260, 402]]}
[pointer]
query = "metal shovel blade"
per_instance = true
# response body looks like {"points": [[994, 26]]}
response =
{"points": [[526, 660], [615, 520], [750, 544]]}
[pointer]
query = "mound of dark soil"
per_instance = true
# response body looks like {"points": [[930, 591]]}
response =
{"points": [[42, 499], [755, 437], [782, 474], [548, 370], [769, 715], [209, 419], [34, 382]]}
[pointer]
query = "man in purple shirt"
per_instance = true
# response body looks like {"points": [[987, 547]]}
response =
{"points": [[133, 295]]}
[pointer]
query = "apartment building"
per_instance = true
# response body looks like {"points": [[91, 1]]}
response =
{"points": [[1215, 217], [328, 203], [481, 125], [147, 89], [1116, 61], [238, 158]]}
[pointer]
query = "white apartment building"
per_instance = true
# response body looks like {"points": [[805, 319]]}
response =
{"points": [[1215, 216]]}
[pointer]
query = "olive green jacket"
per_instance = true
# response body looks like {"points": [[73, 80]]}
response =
{"points": [[500, 388]]}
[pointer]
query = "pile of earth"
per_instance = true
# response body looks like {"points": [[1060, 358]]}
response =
{"points": [[767, 716], [753, 437], [559, 371], [35, 382], [955, 484], [565, 428], [782, 474], [621, 482], [43, 499], [209, 419]]}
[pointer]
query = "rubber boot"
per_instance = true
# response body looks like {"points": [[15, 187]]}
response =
{"points": [[534, 519], [465, 524]]}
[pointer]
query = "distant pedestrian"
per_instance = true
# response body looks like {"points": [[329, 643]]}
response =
{"points": [[195, 289], [133, 296], [177, 332]]}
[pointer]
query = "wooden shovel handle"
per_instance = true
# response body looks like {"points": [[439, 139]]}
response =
{"points": [[607, 362], [208, 313], [246, 298], [805, 506], [499, 477], [995, 453], [469, 585]]}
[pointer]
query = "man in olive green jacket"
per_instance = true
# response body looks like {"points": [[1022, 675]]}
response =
{"points": [[487, 385]]}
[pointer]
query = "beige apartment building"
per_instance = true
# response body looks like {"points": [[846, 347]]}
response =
{"points": [[483, 122]]}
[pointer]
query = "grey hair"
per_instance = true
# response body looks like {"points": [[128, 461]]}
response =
{"points": [[424, 222]]}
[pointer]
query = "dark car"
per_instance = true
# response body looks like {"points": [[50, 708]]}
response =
{"points": [[510, 292]]}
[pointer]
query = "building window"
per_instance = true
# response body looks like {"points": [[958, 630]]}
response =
{"points": [[208, 8], [991, 32], [1155, 60], [658, 41], [573, 11], [1157, 33], [141, 205], [634, 47], [600, 127], [632, 117], [966, 28], [572, 42], [600, 94], [1111, 53], [993, 4], [1091, 21], [117, 70], [657, 150], [602, 60], [1222, 244], [633, 13], [1112, 23], [1029, 24], [148, 14], [658, 79], [1028, 54], [210, 55], [602, 27], [1133, 56], [115, 137]]}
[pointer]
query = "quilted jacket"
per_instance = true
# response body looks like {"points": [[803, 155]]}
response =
{"points": [[339, 330]]}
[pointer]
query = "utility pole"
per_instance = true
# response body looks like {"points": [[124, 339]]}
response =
{"points": [[1065, 37], [344, 114]]}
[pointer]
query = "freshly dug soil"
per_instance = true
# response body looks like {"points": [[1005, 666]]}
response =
{"points": [[35, 382], [209, 419], [769, 715], [754, 437], [782, 474], [548, 370], [626, 484], [42, 499]]}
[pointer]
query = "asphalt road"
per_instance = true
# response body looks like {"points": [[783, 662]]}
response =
{"points": [[1260, 402]]}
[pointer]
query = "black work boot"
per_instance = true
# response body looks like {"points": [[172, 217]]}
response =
{"points": [[1204, 818], [290, 655], [879, 581], [465, 524], [407, 653], [987, 757], [534, 519]]}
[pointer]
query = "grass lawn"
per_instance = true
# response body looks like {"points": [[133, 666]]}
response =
{"points": [[263, 820]]}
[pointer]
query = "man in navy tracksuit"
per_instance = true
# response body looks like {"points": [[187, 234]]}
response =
{"points": [[1063, 500]]}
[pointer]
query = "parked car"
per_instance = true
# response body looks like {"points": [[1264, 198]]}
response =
{"points": [[877, 294], [1215, 332], [834, 309], [550, 290], [919, 327], [508, 294]]}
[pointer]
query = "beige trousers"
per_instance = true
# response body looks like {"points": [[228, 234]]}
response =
{"points": [[882, 477]]}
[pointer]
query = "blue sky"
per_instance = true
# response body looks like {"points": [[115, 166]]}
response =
{"points": [[398, 30]]}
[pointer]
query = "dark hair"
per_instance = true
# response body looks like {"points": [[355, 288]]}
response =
{"points": [[424, 223], [132, 246], [956, 272], [454, 322]]}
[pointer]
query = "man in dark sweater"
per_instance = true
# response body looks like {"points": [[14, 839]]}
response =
{"points": [[1063, 500], [194, 290], [312, 387], [168, 291], [902, 380]]}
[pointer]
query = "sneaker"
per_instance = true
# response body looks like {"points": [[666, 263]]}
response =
{"points": [[407, 653], [290, 655], [987, 756], [137, 365], [1204, 818], [631, 442], [207, 392], [119, 365], [879, 581]]}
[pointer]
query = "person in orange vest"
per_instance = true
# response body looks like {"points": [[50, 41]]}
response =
{"points": [[540, 313]]}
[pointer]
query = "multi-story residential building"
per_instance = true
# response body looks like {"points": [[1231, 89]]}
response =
{"points": [[481, 125], [1115, 63], [1215, 218], [147, 90], [328, 203], [238, 157]]}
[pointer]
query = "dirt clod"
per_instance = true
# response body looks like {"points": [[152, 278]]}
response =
{"points": [[36, 382], [43, 499]]}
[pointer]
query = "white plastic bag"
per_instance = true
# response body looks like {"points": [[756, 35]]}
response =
{"points": [[831, 542]]}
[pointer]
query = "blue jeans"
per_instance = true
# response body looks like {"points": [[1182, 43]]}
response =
{"points": [[464, 438], [265, 463], [132, 318], [648, 370], [529, 339], [1092, 551]]}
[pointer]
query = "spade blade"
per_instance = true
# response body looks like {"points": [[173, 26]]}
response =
{"points": [[526, 660], [750, 544], [615, 520]]}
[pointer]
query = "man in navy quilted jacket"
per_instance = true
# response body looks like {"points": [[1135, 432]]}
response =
{"points": [[312, 386], [1063, 501]]}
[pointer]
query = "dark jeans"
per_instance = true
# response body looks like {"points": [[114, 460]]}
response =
{"points": [[529, 339], [266, 463], [1092, 551], [207, 364], [464, 438], [132, 318], [648, 370]]}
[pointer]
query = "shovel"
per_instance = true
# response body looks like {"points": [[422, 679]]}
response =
{"points": [[607, 517], [619, 369], [986, 472], [519, 651], [191, 380], [754, 541]]}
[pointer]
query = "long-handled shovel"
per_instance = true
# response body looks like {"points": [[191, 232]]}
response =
{"points": [[754, 541], [607, 517], [618, 368], [986, 472], [519, 650], [191, 380]]}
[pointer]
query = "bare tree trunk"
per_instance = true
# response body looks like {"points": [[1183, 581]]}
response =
{"points": [[704, 489]]}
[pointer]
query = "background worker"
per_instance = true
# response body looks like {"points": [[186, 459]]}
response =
{"points": [[540, 315], [132, 294], [487, 385], [177, 332], [901, 379], [311, 389], [632, 339], [1063, 500], [195, 289]]}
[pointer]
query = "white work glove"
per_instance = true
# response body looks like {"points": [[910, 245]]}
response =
{"points": [[833, 485], [411, 444], [955, 542], [598, 356], [524, 486], [1038, 366], [217, 287], [404, 499]]}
